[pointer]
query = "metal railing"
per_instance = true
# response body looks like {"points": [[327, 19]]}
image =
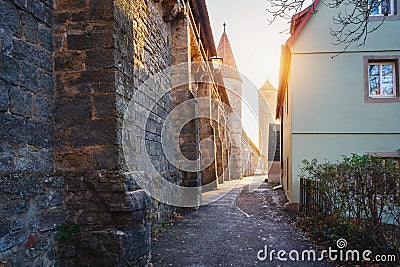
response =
{"points": [[310, 196]]}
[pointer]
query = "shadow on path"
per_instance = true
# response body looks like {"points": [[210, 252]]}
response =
{"points": [[230, 233]]}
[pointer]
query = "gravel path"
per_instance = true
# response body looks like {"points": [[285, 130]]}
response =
{"points": [[231, 233]]}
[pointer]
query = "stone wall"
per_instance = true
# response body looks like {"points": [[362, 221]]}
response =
{"points": [[69, 70], [106, 51], [31, 205], [26, 83], [184, 90], [223, 139], [85, 112], [234, 90], [150, 45], [251, 156], [31, 209]]}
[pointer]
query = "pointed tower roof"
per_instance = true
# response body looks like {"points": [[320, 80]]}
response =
{"points": [[225, 51], [268, 86]]}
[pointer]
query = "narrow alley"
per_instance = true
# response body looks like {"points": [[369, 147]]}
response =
{"points": [[141, 133]]}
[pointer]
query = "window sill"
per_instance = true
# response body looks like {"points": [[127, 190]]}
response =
{"points": [[386, 18], [383, 97], [382, 100]]}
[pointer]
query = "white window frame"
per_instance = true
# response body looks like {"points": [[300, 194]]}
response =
{"points": [[380, 14], [380, 63]]}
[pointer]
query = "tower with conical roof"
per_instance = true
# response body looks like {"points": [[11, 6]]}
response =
{"points": [[269, 130], [233, 84]]}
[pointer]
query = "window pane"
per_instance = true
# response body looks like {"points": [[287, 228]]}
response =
{"points": [[386, 7], [387, 89], [374, 80], [387, 70], [374, 70], [374, 86], [387, 80], [374, 7]]}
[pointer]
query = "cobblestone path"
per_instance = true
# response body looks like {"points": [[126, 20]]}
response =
{"points": [[231, 231]]}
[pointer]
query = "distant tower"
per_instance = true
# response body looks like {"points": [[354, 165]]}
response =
{"points": [[269, 131], [233, 84]]}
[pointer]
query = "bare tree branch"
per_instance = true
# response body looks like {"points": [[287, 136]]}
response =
{"points": [[351, 25]]}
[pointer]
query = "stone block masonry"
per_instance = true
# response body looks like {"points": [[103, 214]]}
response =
{"points": [[26, 86], [31, 199], [68, 70], [104, 51], [31, 209]]}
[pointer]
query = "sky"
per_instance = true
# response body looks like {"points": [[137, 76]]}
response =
{"points": [[255, 44]]}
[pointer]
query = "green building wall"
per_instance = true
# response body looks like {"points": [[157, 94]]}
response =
{"points": [[330, 117]]}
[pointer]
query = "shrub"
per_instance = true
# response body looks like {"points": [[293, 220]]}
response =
{"points": [[66, 231], [357, 198]]}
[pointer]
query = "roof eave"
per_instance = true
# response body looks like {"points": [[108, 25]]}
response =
{"points": [[309, 11], [201, 13]]}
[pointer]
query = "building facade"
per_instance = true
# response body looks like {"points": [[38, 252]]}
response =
{"points": [[269, 134], [333, 102]]}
